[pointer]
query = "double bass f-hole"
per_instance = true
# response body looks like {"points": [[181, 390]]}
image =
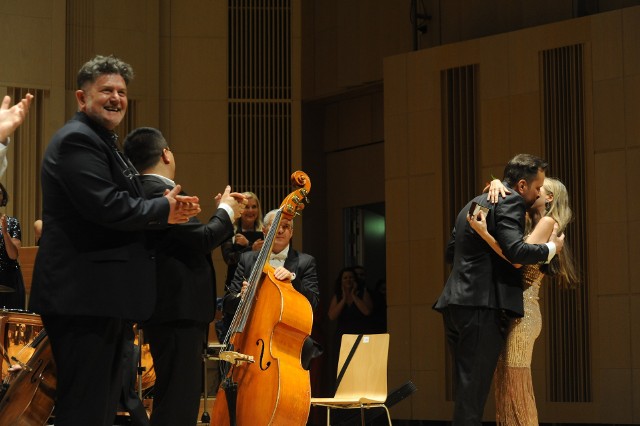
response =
{"points": [[260, 343], [36, 373]]}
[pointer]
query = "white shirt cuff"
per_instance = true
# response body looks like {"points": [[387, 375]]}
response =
{"points": [[229, 210], [552, 251]]}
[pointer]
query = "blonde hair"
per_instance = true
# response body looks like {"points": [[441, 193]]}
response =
{"points": [[562, 265], [257, 225]]}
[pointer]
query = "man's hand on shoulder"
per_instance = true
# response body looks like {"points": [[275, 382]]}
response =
{"points": [[557, 240], [181, 207]]}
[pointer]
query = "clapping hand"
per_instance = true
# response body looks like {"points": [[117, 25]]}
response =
{"points": [[235, 200], [181, 207], [11, 118]]}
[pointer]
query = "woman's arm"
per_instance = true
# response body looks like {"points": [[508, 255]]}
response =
{"points": [[11, 245], [480, 226], [335, 308], [364, 304]]}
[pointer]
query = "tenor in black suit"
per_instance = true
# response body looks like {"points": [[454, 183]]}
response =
{"points": [[95, 268], [185, 306], [484, 291]]}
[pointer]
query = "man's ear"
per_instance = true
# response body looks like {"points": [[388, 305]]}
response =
{"points": [[80, 97], [521, 186], [165, 157]]}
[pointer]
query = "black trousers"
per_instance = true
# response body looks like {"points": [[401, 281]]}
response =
{"points": [[476, 337], [177, 349], [88, 356]]}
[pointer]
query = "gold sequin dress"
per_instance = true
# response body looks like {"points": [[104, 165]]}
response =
{"points": [[515, 402]]}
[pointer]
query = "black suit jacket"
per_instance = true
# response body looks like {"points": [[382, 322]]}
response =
{"points": [[94, 257], [186, 278], [301, 264], [480, 277]]}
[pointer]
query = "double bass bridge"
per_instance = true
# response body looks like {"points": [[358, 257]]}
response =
{"points": [[235, 358]]}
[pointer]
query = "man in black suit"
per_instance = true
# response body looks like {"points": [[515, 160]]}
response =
{"points": [[289, 264], [483, 290], [185, 304], [95, 268]]}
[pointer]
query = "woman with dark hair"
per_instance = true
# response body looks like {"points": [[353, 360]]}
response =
{"points": [[351, 305], [12, 293]]}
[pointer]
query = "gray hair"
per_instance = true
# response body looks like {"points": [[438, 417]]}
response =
{"points": [[101, 65], [268, 218]]}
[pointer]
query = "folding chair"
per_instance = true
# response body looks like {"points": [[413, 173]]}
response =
{"points": [[363, 383]]}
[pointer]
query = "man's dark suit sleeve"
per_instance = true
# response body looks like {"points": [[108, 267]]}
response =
{"points": [[306, 281], [203, 237], [230, 301], [509, 228], [84, 173]]}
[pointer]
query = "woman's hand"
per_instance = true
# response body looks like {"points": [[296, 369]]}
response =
{"points": [[495, 189], [478, 223], [241, 240], [347, 291], [257, 244]]}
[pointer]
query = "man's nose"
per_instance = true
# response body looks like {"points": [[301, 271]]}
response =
{"points": [[115, 96]]}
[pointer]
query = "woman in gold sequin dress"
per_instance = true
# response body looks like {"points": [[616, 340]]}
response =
{"points": [[515, 400]]}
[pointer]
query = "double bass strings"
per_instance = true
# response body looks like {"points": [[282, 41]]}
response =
{"points": [[244, 307]]}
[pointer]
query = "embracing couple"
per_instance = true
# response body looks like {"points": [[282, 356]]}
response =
{"points": [[482, 303]]}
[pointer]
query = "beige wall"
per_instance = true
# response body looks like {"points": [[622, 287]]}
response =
{"points": [[509, 123], [358, 154], [178, 53]]}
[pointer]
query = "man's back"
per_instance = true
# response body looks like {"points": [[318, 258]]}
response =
{"points": [[470, 282]]}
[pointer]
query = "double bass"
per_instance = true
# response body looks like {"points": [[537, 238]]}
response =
{"points": [[27, 396], [262, 379]]}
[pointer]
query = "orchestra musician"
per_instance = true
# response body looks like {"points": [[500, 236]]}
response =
{"points": [[289, 264]]}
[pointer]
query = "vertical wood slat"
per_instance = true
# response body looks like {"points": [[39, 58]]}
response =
{"points": [[260, 98], [566, 317], [459, 116], [79, 38]]}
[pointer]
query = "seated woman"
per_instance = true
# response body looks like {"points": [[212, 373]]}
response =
{"points": [[12, 293]]}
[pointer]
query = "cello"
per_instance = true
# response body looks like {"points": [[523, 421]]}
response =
{"points": [[27, 396], [263, 382]]}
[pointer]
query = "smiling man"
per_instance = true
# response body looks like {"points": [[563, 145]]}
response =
{"points": [[95, 268]]}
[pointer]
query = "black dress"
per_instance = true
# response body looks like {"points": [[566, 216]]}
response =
{"points": [[10, 274]]}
